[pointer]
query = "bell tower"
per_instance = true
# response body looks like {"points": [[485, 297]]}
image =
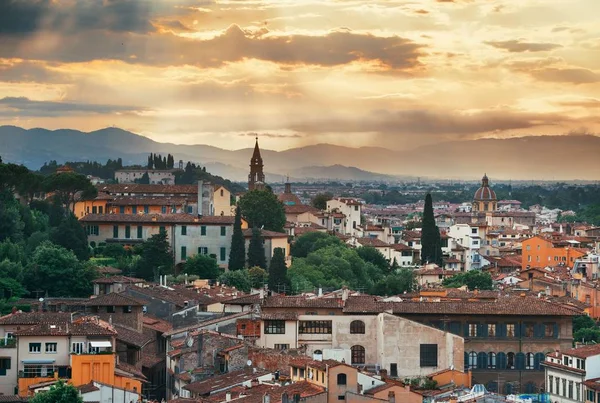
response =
{"points": [[256, 179]]}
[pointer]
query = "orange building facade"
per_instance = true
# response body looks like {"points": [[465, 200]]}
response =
{"points": [[540, 252], [84, 369]]}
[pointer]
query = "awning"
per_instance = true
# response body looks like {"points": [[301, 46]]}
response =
{"points": [[100, 344], [38, 361]]}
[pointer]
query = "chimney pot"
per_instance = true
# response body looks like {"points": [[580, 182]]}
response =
{"points": [[228, 397]]}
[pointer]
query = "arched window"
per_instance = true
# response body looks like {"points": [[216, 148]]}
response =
{"points": [[510, 361], [357, 327], [472, 360], [482, 360], [538, 358], [341, 379], [358, 354], [529, 361], [318, 352], [491, 360]]}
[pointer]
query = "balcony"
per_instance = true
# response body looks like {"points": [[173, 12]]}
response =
{"points": [[8, 343]]}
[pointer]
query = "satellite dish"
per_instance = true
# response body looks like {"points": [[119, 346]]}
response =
{"points": [[189, 342], [41, 300], [249, 363]]}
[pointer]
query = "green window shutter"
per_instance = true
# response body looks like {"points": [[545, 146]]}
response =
{"points": [[134, 210], [223, 254], [115, 231], [223, 231], [203, 230], [183, 253], [184, 230], [127, 232], [139, 232]]}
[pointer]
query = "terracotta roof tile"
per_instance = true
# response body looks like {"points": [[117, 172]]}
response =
{"points": [[118, 279], [279, 316], [301, 302], [265, 234], [158, 218], [33, 318], [156, 324], [225, 381], [583, 351], [82, 327], [374, 242], [114, 299], [130, 336], [147, 189]]}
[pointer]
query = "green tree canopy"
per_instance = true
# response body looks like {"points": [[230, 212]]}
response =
{"points": [[256, 250], [203, 266], [278, 279], [262, 209], [258, 277], [582, 322], [333, 267], [238, 279], [70, 234], [156, 257], [67, 184], [312, 241], [57, 272], [237, 252], [473, 279], [58, 393], [372, 255], [320, 200], [431, 249], [396, 283], [587, 335]]}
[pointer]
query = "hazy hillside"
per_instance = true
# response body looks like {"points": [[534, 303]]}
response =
{"points": [[541, 157]]}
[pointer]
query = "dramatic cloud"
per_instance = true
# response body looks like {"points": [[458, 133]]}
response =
{"points": [[566, 75], [583, 103], [518, 46], [21, 106]]}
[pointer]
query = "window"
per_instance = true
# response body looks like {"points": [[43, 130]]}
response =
{"points": [[357, 355], [110, 309], [183, 253], [357, 327], [429, 355], [510, 361], [551, 384], [94, 210], [146, 209], [223, 231], [163, 209], [115, 231], [51, 348], [77, 347], [577, 391], [473, 230], [190, 209], [4, 365], [203, 230], [564, 387], [341, 397], [274, 327], [100, 210], [127, 232], [282, 346], [122, 209], [202, 250], [528, 329], [570, 390], [510, 329], [472, 362], [491, 360], [472, 329], [315, 326], [491, 329], [92, 229], [223, 254], [394, 369], [139, 231], [35, 348], [549, 329], [134, 210], [341, 379], [127, 309], [184, 230], [162, 229], [529, 361]]}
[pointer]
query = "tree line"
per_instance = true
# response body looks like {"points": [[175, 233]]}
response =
{"points": [[157, 161]]}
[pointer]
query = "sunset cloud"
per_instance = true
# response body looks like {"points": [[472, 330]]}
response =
{"points": [[387, 73]]}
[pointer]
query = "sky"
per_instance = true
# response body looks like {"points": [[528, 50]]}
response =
{"points": [[391, 73]]}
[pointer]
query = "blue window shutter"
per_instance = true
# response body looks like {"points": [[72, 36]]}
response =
{"points": [[482, 360], [466, 361], [466, 330], [501, 360], [501, 330], [537, 360], [483, 332], [520, 361], [517, 330], [556, 330]]}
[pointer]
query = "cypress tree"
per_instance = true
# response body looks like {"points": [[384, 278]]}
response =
{"points": [[237, 252], [431, 243], [278, 279], [256, 250]]}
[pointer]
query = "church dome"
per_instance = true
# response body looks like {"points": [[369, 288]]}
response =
{"points": [[485, 193]]}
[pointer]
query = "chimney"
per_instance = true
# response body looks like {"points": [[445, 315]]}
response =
{"points": [[228, 396], [110, 320], [14, 310], [392, 397], [262, 293], [266, 398], [345, 293], [320, 292], [383, 374], [200, 198], [285, 398]]}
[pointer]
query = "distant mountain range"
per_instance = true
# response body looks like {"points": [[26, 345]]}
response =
{"points": [[534, 157]]}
